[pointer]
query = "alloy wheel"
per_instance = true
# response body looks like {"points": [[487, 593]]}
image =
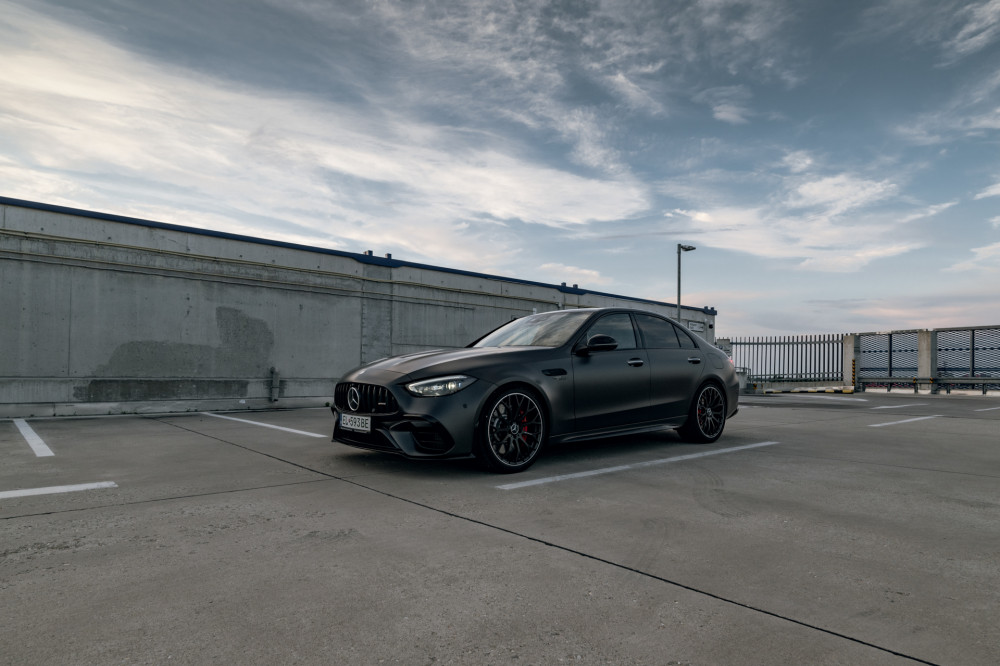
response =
{"points": [[515, 429], [711, 411]]}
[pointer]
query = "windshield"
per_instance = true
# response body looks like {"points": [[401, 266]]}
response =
{"points": [[543, 330]]}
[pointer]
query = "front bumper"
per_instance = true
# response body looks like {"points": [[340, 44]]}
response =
{"points": [[442, 427]]}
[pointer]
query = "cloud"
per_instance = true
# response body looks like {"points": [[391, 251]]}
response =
{"points": [[816, 244], [836, 223], [206, 151], [924, 213], [729, 103], [978, 26], [992, 191], [971, 112], [573, 275], [798, 161], [986, 259], [841, 193], [956, 28]]}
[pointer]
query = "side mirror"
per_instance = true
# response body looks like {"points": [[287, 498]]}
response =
{"points": [[598, 343]]}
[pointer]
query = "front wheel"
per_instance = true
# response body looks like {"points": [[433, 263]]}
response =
{"points": [[511, 433], [707, 416]]}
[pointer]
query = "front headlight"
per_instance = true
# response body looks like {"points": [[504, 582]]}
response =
{"points": [[432, 388]]}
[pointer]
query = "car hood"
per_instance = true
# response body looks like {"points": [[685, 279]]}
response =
{"points": [[422, 365]]}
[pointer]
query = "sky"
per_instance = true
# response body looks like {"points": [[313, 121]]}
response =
{"points": [[835, 163]]}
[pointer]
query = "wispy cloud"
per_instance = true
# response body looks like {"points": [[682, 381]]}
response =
{"points": [[822, 223], [991, 191], [341, 172], [978, 27], [835, 195], [585, 277], [729, 104], [985, 259], [956, 28]]}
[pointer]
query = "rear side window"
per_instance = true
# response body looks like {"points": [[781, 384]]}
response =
{"points": [[687, 342], [618, 326], [658, 333]]}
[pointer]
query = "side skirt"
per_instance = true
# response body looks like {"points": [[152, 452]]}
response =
{"points": [[657, 426]]}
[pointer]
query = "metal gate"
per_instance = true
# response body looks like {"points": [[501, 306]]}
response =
{"points": [[808, 358], [888, 355], [972, 353]]}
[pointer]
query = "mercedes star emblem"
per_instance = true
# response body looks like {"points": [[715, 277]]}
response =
{"points": [[353, 399]]}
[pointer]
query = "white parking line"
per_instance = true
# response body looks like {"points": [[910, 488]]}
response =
{"points": [[988, 409], [54, 490], [912, 404], [778, 398], [265, 425], [622, 468], [34, 441], [810, 396], [919, 418]]}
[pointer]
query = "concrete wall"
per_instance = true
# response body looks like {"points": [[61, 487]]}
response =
{"points": [[103, 314]]}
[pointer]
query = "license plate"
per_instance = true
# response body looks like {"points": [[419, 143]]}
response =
{"points": [[356, 423]]}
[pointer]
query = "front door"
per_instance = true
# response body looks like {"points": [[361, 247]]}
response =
{"points": [[611, 388]]}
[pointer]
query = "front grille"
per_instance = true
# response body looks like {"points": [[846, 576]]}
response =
{"points": [[373, 399]]}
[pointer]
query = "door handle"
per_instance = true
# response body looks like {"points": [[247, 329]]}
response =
{"points": [[694, 360], [635, 362]]}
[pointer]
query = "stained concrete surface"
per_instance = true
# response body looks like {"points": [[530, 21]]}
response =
{"points": [[228, 542]]}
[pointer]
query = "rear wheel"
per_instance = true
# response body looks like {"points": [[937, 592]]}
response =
{"points": [[707, 416], [512, 431]]}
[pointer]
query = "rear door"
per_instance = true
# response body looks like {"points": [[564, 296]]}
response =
{"points": [[611, 388], [676, 366]]}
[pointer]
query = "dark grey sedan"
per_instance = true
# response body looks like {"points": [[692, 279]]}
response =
{"points": [[559, 376]]}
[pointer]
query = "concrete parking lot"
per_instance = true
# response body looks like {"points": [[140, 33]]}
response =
{"points": [[821, 529]]}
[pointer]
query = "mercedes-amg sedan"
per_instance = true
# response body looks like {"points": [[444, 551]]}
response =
{"points": [[558, 376]]}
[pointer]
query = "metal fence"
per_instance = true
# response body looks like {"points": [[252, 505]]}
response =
{"points": [[973, 353], [964, 358], [805, 358], [955, 354], [888, 355]]}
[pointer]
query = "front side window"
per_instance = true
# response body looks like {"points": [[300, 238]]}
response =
{"points": [[618, 326]]}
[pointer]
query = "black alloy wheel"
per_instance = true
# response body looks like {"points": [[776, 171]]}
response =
{"points": [[707, 416], [512, 432]]}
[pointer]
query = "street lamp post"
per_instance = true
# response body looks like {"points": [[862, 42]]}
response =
{"points": [[680, 248]]}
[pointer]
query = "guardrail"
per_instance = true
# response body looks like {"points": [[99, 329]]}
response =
{"points": [[931, 382]]}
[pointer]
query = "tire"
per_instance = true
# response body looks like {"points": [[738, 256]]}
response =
{"points": [[512, 431], [707, 415]]}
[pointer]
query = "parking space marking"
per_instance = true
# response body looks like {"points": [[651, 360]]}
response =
{"points": [[911, 404], [54, 490], [919, 418], [793, 397], [265, 425], [622, 468], [34, 441], [988, 409]]}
